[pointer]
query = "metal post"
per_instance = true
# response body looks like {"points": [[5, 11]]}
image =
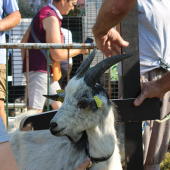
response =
{"points": [[131, 89], [88, 52], [109, 84], [27, 76], [68, 75], [47, 46], [7, 114], [48, 72]]}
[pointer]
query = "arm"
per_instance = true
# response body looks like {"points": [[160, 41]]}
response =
{"points": [[7, 159], [152, 89], [25, 40], [51, 26], [10, 21], [110, 14]]}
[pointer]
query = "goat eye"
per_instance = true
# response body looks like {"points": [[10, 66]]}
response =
{"points": [[82, 104]]}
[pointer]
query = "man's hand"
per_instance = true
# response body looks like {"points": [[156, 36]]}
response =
{"points": [[110, 43], [149, 90], [84, 165]]}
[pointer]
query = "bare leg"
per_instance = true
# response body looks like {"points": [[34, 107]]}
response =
{"points": [[29, 126], [2, 112], [56, 105]]}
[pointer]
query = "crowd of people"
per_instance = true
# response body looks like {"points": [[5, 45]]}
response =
{"points": [[153, 22]]}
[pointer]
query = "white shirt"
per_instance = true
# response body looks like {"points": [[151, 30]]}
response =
{"points": [[154, 34], [67, 40], [7, 7]]}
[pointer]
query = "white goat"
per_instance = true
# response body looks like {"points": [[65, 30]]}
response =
{"points": [[80, 123]]}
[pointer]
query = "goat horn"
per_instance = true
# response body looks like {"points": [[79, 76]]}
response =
{"points": [[85, 65], [55, 97], [92, 75]]}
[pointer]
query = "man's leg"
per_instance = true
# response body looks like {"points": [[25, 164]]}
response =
{"points": [[37, 87], [56, 105], [54, 86], [157, 135]]}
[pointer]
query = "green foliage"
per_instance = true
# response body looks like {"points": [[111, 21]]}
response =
{"points": [[114, 73], [165, 164], [75, 12], [25, 9]]}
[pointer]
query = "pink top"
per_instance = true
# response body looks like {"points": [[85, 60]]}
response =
{"points": [[37, 61]]}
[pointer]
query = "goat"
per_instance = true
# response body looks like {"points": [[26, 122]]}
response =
{"points": [[86, 119]]}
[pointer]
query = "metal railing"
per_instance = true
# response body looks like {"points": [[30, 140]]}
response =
{"points": [[47, 46]]}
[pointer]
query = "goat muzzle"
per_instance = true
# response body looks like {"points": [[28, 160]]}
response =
{"points": [[52, 126]]}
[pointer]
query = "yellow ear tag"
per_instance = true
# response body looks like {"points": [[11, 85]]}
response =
{"points": [[60, 91], [61, 99], [98, 101]]}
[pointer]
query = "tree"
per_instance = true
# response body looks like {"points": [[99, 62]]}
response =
{"points": [[25, 9]]}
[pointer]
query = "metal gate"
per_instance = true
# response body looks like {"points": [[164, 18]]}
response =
{"points": [[79, 25]]}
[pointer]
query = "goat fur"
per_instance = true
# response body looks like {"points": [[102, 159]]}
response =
{"points": [[40, 150]]}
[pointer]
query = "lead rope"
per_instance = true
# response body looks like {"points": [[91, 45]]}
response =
{"points": [[165, 66], [167, 117]]}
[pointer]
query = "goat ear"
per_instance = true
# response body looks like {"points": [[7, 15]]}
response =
{"points": [[56, 97], [92, 104]]}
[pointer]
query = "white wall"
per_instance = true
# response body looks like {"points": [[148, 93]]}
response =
{"points": [[16, 36], [91, 12]]}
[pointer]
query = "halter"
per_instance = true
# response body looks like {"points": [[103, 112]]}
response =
{"points": [[96, 160]]}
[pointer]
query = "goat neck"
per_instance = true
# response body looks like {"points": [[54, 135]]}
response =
{"points": [[103, 142]]}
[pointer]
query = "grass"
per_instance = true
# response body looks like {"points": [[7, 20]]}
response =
{"points": [[165, 164]]}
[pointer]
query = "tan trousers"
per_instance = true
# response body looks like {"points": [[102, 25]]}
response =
{"points": [[157, 135]]}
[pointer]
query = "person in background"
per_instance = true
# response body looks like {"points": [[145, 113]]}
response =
{"points": [[10, 8], [154, 61], [47, 28]]}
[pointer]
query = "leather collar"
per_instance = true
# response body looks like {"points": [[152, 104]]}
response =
{"points": [[96, 160]]}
